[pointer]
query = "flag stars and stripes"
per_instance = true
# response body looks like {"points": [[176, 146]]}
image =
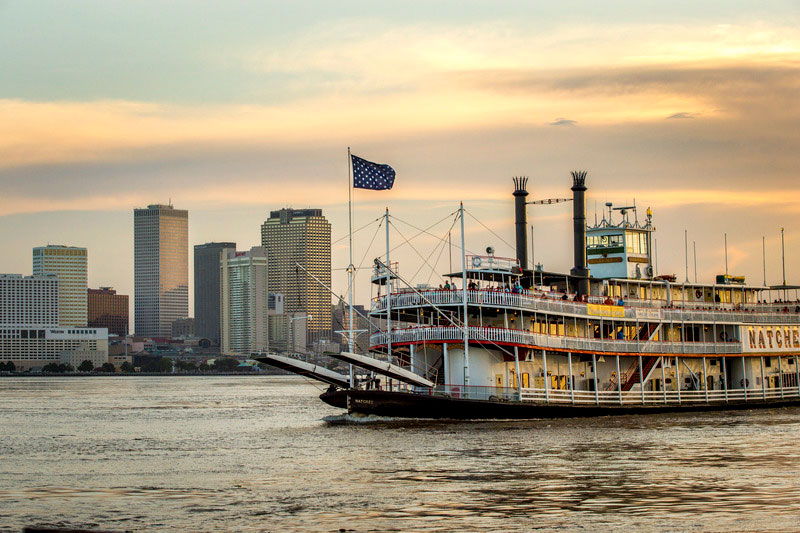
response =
{"points": [[369, 175]]}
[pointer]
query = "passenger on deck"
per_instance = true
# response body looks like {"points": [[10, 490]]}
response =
{"points": [[621, 301], [447, 285]]}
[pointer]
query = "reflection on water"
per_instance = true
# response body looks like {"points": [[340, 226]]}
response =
{"points": [[264, 453]]}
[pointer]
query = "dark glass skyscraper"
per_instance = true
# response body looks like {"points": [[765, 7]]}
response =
{"points": [[160, 268], [206, 288]]}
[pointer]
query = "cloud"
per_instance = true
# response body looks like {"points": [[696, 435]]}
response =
{"points": [[562, 122], [681, 115]]}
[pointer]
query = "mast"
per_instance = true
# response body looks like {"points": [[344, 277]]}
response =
{"points": [[686, 252], [350, 268], [388, 297], [464, 295], [726, 254]]}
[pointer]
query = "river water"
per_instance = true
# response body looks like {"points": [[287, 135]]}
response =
{"points": [[263, 453]]}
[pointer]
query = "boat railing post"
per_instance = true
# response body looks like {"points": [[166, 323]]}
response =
{"points": [[619, 382], [445, 363], [744, 379], [763, 385], [705, 378], [571, 388], [797, 374], [544, 371], [641, 377], [663, 379], [594, 371], [678, 378], [780, 375], [725, 377], [516, 370]]}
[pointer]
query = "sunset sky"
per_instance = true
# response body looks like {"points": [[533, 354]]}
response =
{"points": [[231, 109]]}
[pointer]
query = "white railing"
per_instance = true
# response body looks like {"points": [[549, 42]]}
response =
{"points": [[582, 397], [527, 338], [552, 302]]}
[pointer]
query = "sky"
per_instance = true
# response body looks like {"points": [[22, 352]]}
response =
{"points": [[232, 109]]}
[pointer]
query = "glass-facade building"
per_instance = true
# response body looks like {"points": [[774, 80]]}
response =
{"points": [[207, 259], [68, 264], [107, 309], [244, 297], [301, 236], [161, 269]]}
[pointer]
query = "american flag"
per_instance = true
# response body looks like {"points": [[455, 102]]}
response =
{"points": [[369, 175]]}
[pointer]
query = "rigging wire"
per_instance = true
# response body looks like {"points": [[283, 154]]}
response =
{"points": [[407, 241], [420, 230], [356, 231], [489, 229]]}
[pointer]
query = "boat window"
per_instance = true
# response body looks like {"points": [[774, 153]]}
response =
{"points": [[604, 241]]}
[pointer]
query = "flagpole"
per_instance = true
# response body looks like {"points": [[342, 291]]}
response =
{"points": [[350, 268]]}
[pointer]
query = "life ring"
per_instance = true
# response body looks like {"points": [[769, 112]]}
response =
{"points": [[698, 293], [744, 382], [476, 261]]}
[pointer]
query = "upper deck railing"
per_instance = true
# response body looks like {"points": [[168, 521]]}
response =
{"points": [[506, 336], [651, 310]]}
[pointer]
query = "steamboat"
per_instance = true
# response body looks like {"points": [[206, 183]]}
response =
{"points": [[608, 337]]}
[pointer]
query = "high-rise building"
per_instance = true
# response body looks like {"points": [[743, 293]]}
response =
{"points": [[107, 309], [30, 334], [244, 322], [361, 327], [206, 288], [301, 236], [161, 268], [68, 263], [29, 300]]}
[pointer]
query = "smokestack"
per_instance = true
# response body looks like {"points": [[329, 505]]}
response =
{"points": [[520, 213], [579, 230]]}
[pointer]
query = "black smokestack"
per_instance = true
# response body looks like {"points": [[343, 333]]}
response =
{"points": [[520, 213], [579, 230]]}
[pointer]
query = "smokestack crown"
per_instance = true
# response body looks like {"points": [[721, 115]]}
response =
{"points": [[520, 185], [578, 180]]}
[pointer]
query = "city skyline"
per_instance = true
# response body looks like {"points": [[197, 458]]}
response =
{"points": [[688, 109]]}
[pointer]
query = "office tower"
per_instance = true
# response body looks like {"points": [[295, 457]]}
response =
{"points": [[183, 328], [341, 323], [30, 335], [29, 300], [68, 263], [161, 268], [301, 236], [206, 288], [107, 309], [244, 322]]}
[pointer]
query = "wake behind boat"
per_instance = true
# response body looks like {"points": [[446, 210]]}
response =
{"points": [[609, 337]]}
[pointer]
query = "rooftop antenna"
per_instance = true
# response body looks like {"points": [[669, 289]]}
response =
{"points": [[726, 254], [656, 261], [608, 205], [686, 252], [694, 245], [783, 260], [764, 257]]}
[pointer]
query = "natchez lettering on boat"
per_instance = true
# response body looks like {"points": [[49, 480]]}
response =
{"points": [[771, 338]]}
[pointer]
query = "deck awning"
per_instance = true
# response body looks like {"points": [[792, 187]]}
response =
{"points": [[320, 373], [383, 367]]}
